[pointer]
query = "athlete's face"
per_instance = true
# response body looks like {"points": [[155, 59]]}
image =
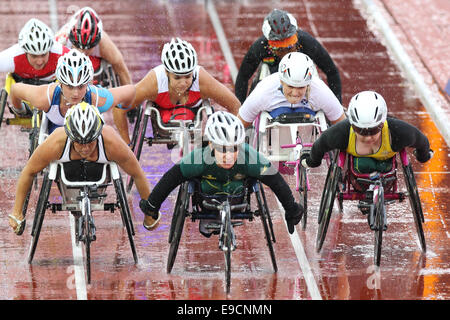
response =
{"points": [[281, 52], [180, 84], [38, 61], [85, 150], [226, 157], [87, 52], [293, 94], [73, 95]]}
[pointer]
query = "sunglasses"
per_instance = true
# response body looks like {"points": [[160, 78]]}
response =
{"points": [[225, 149], [281, 48], [368, 131]]}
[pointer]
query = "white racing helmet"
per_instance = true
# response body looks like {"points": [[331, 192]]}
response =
{"points": [[36, 37], [74, 69], [296, 69], [224, 129], [367, 112], [83, 123], [179, 57]]}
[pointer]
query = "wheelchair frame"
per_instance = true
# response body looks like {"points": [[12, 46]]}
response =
{"points": [[339, 185], [75, 195], [191, 203], [289, 161], [180, 131]]}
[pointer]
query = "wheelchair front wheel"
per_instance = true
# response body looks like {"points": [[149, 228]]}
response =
{"points": [[380, 216]]}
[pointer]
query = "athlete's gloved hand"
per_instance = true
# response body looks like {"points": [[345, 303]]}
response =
{"points": [[425, 158], [304, 159], [148, 209], [293, 216]]}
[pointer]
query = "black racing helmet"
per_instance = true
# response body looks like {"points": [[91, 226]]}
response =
{"points": [[83, 123], [279, 25]]}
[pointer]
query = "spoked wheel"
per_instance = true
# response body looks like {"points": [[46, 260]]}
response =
{"points": [[227, 253], [138, 138], [303, 195], [126, 215], [416, 204], [327, 202], [39, 215], [269, 218], [182, 191], [264, 214], [3, 101], [87, 240], [380, 214], [177, 226], [34, 138]]}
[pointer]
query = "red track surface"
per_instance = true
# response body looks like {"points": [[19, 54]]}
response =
{"points": [[343, 270]]}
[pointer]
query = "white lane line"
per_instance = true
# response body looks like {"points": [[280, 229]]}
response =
{"points": [[53, 15], [433, 107], [302, 260], [211, 9], [80, 282], [295, 239]]}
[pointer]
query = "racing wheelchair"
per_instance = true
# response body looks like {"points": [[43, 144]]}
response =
{"points": [[282, 139], [29, 122], [81, 198], [228, 211], [374, 191], [184, 133]]}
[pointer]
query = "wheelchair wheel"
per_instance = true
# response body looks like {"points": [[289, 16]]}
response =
{"points": [[39, 215], [3, 101], [181, 192], [139, 141], [303, 195], [269, 218], [125, 214], [416, 204], [177, 226], [327, 202], [264, 214], [227, 253], [380, 213], [87, 238]]}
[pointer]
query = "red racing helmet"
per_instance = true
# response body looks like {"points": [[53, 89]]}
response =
{"points": [[87, 29]]}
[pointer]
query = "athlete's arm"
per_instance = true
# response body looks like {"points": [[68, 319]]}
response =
{"points": [[7, 60], [112, 54], [36, 95], [335, 137], [405, 135], [248, 67], [210, 88], [117, 151], [146, 89], [311, 47], [48, 151]]}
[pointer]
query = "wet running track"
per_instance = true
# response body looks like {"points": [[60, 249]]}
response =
{"points": [[343, 270]]}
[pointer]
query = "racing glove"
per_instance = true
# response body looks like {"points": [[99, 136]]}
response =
{"points": [[423, 158], [148, 209], [293, 216]]}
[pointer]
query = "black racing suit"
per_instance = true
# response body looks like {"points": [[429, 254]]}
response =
{"points": [[307, 44]]}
